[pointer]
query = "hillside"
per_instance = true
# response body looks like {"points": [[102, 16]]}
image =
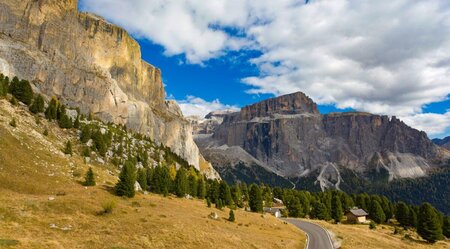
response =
{"points": [[43, 204], [444, 142]]}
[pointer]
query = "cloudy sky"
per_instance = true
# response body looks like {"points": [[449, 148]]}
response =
{"points": [[384, 57]]}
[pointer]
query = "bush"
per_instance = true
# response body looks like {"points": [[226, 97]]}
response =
{"points": [[373, 225], [108, 207], [45, 132], [13, 123], [231, 217], [68, 148], [13, 101]]}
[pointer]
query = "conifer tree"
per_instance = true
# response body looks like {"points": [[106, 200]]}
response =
{"points": [[23, 92], [193, 187], [68, 148], [402, 214], [412, 217], [208, 202], [89, 179], [446, 226], [86, 134], [51, 111], [225, 194], [255, 201], [181, 184], [201, 193], [64, 121], [38, 105], [142, 178], [76, 124], [336, 208], [127, 179], [319, 211], [376, 212], [429, 226], [295, 208], [231, 216]]}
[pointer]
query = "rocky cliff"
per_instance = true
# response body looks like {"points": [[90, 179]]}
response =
{"points": [[289, 137], [89, 63]]}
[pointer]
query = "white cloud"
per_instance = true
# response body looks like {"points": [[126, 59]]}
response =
{"points": [[432, 123], [194, 106], [384, 57]]}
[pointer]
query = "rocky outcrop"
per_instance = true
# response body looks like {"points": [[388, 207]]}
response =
{"points": [[89, 63], [292, 139]]}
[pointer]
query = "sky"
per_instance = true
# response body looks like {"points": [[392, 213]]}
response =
{"points": [[383, 57]]}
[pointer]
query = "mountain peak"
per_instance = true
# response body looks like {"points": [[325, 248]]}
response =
{"points": [[294, 103]]}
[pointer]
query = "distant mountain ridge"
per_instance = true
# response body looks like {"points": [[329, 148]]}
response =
{"points": [[288, 137], [444, 142]]}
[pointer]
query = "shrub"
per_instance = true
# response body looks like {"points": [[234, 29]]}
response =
{"points": [[108, 207], [13, 123], [231, 216], [373, 225], [45, 132], [68, 148], [13, 101]]}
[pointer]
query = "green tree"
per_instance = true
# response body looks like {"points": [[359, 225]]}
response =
{"points": [[225, 193], [181, 183], [208, 202], [51, 111], [336, 208], [89, 179], [201, 193], [402, 214], [65, 122], [372, 225], [193, 185], [38, 105], [68, 148], [429, 226], [255, 201], [86, 134], [127, 179], [76, 124], [412, 217], [376, 212], [319, 211], [231, 216], [142, 178], [22, 91], [446, 226], [295, 208]]}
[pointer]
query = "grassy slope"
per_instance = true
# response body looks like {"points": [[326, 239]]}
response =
{"points": [[32, 169], [360, 236]]}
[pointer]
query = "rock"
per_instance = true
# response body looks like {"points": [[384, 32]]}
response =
{"points": [[100, 160], [51, 198], [103, 131], [287, 137], [93, 65], [137, 186], [213, 215], [54, 226], [90, 143], [87, 159]]}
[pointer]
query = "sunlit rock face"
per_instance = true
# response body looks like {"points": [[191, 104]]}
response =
{"points": [[89, 63]]}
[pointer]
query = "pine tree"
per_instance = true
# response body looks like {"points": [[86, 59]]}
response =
{"points": [[23, 92], [402, 214], [181, 184], [336, 208], [65, 122], [225, 193], [127, 179], [38, 105], [376, 212], [193, 185], [446, 226], [412, 217], [142, 178], [429, 226], [68, 148], [76, 124], [201, 193], [319, 211], [231, 216], [89, 180], [208, 202], [51, 111], [295, 208], [255, 201], [86, 134]]}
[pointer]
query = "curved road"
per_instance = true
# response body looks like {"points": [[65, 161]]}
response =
{"points": [[318, 237]]}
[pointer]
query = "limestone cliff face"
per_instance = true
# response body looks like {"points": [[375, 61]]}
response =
{"points": [[289, 137], [92, 64]]}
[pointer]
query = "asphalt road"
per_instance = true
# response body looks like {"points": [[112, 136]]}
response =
{"points": [[318, 238]]}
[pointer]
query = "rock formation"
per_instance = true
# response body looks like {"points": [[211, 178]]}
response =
{"points": [[289, 137], [89, 63]]}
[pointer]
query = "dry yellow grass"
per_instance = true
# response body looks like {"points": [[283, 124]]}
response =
{"points": [[32, 170], [360, 236]]}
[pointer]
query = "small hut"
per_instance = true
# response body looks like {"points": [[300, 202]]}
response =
{"points": [[356, 215]]}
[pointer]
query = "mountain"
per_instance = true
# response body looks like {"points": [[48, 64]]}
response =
{"points": [[444, 142], [90, 64], [288, 138]]}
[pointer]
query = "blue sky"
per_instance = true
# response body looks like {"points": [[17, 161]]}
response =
{"points": [[389, 58]]}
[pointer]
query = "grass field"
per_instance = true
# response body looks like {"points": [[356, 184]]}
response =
{"points": [[360, 236], [43, 204]]}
